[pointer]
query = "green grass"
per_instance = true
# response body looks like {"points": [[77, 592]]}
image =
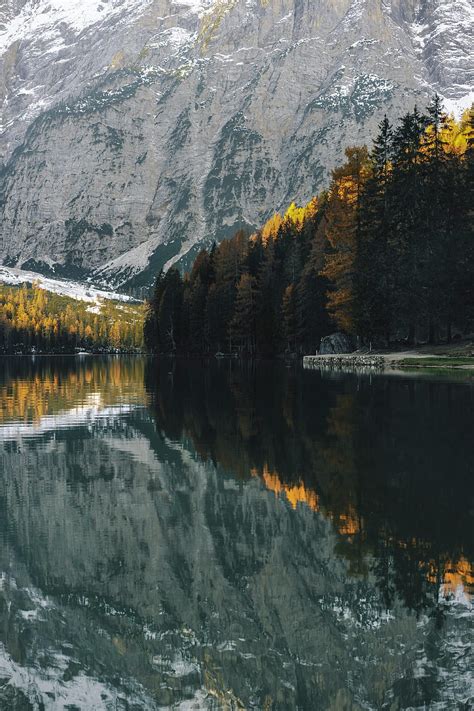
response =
{"points": [[437, 362]]}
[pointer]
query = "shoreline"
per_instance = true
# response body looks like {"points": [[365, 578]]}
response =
{"points": [[73, 355], [391, 361], [459, 360]]}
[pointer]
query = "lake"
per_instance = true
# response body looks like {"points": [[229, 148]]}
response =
{"points": [[225, 535]]}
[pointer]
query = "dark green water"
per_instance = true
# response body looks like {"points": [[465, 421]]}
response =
{"points": [[224, 536]]}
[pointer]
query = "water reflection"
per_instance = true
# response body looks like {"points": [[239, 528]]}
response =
{"points": [[226, 536], [388, 461]]}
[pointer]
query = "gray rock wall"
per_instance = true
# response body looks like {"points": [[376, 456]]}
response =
{"points": [[132, 138]]}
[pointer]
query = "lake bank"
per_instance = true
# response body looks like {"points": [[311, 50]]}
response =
{"points": [[447, 357]]}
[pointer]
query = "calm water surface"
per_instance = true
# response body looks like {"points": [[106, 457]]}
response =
{"points": [[224, 536]]}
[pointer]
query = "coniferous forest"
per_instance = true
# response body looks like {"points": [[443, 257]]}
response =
{"points": [[32, 319], [386, 255]]}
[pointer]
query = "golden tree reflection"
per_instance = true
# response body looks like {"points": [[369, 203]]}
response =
{"points": [[47, 387], [295, 494]]}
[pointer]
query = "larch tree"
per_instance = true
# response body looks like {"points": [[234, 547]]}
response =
{"points": [[342, 227]]}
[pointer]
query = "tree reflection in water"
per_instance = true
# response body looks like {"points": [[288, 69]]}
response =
{"points": [[388, 460], [225, 535]]}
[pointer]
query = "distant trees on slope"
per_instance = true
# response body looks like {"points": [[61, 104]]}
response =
{"points": [[30, 318], [386, 253]]}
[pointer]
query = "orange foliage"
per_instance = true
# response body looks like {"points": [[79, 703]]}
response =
{"points": [[341, 231], [295, 494]]}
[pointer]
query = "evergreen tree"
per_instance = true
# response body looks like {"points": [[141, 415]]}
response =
{"points": [[200, 280], [437, 196], [151, 327], [170, 313], [409, 235], [313, 319], [373, 285], [243, 322], [289, 318], [266, 308]]}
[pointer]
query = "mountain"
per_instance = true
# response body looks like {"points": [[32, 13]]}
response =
{"points": [[133, 131]]}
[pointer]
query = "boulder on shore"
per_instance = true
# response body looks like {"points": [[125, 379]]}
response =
{"points": [[337, 343]]}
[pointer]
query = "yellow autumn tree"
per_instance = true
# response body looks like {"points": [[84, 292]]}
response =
{"points": [[341, 232], [30, 316]]}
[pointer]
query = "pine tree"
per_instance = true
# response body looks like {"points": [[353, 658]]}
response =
{"points": [[312, 316], [243, 322], [151, 327], [373, 286], [409, 234], [289, 318], [266, 321], [436, 195], [200, 279], [170, 312]]}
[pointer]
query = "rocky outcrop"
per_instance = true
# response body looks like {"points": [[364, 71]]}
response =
{"points": [[337, 343], [134, 131]]}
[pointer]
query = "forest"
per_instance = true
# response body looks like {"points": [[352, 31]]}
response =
{"points": [[386, 255], [34, 320]]}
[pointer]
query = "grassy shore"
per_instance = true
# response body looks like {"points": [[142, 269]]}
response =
{"points": [[436, 362], [454, 356]]}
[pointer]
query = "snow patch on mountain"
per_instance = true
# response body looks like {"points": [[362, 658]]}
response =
{"points": [[457, 107], [53, 18], [127, 265], [72, 289]]}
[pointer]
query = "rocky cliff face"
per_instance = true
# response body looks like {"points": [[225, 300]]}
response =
{"points": [[134, 130]]}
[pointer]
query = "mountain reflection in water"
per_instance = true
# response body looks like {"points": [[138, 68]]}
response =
{"points": [[224, 535]]}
